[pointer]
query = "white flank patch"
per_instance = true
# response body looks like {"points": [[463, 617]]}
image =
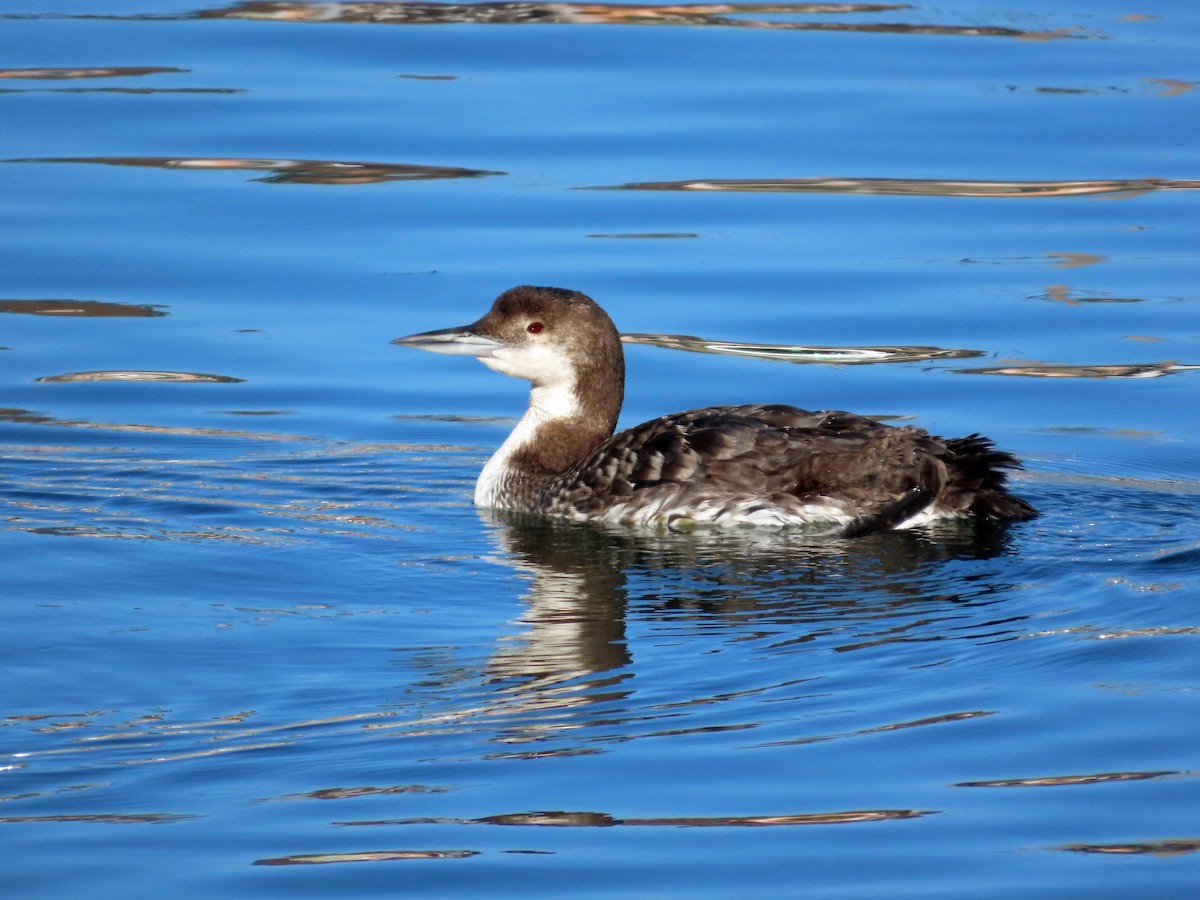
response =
{"points": [[673, 514]]}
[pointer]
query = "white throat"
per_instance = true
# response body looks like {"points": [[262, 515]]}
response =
{"points": [[547, 404]]}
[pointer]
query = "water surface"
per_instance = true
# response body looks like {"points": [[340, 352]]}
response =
{"points": [[259, 643]]}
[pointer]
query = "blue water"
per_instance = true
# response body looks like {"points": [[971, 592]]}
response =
{"points": [[257, 640]]}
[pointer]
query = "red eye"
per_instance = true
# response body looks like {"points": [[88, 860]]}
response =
{"points": [[535, 327]]}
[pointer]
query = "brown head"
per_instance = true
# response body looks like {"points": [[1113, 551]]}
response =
{"points": [[561, 341]]}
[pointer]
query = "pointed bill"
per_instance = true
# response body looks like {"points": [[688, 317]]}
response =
{"points": [[460, 340]]}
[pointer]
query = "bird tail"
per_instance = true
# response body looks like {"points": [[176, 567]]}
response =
{"points": [[978, 475]]}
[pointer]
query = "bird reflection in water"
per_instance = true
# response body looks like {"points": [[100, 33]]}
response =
{"points": [[570, 649]]}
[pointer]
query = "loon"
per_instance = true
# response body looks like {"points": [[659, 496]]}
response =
{"points": [[766, 465]]}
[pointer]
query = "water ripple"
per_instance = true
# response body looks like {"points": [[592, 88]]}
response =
{"points": [[89, 72], [81, 308], [285, 171], [800, 354], [1111, 370], [587, 819], [1166, 847], [514, 12], [141, 375], [918, 187]]}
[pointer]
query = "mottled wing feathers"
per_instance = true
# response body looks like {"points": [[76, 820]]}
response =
{"points": [[758, 455], [780, 464]]}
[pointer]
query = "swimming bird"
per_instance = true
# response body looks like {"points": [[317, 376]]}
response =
{"points": [[767, 465]]}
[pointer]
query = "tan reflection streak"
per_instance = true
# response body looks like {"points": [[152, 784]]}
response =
{"points": [[285, 171], [918, 187], [799, 354], [1076, 260], [132, 375], [114, 72], [1173, 87], [321, 859], [1061, 293], [81, 308], [1174, 847], [1063, 780], [1136, 370], [106, 818], [607, 14]]}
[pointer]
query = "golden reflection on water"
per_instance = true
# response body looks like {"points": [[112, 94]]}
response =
{"points": [[1172, 87], [285, 171], [927, 187]]}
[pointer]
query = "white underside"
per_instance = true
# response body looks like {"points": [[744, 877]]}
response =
{"points": [[723, 515], [742, 514]]}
